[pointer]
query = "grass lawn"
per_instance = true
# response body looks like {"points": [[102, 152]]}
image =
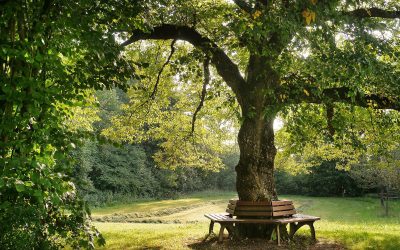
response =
{"points": [[355, 223]]}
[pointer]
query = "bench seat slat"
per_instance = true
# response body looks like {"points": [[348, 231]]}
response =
{"points": [[281, 203], [222, 217], [285, 213], [252, 213], [249, 203], [295, 218], [282, 208], [217, 216], [214, 217], [253, 208]]}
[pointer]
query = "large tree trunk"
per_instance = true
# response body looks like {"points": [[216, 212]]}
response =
{"points": [[255, 170]]}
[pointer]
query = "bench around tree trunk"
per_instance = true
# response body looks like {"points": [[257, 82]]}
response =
{"points": [[275, 212]]}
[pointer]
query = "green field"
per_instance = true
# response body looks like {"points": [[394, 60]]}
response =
{"points": [[354, 223]]}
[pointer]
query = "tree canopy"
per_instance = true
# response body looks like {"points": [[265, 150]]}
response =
{"points": [[190, 68], [323, 66]]}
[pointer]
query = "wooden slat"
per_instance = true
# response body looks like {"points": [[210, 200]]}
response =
{"points": [[252, 213], [284, 213], [282, 208], [264, 221], [295, 218], [256, 203], [253, 203], [261, 208], [219, 217], [281, 203], [231, 206], [212, 216]]}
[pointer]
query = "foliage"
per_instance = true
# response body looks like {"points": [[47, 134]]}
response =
{"points": [[162, 111], [381, 172], [105, 174], [51, 53], [358, 133], [320, 180]]}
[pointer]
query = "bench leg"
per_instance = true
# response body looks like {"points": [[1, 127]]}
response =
{"points": [[292, 230], [312, 229], [278, 234], [294, 227], [231, 230], [210, 230], [221, 233]]}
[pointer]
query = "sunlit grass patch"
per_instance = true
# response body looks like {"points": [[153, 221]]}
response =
{"points": [[150, 236]]}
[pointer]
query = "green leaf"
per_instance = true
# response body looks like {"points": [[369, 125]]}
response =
{"points": [[19, 186], [37, 193]]}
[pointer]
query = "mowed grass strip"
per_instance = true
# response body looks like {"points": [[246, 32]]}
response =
{"points": [[157, 205], [355, 223]]}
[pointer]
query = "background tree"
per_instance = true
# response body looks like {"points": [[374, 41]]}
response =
{"points": [[380, 173], [279, 56], [51, 53]]}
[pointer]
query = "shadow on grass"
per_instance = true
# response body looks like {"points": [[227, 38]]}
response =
{"points": [[250, 244]]}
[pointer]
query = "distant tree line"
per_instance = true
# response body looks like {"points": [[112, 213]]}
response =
{"points": [[106, 173], [321, 180]]}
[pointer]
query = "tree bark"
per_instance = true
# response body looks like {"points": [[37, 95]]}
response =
{"points": [[255, 170]]}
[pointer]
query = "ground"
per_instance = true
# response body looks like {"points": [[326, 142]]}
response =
{"points": [[346, 223]]}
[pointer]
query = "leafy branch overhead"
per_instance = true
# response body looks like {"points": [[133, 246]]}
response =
{"points": [[269, 59], [225, 66], [229, 71]]}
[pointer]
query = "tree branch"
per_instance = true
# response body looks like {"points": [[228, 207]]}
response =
{"points": [[343, 95], [153, 94], [374, 12], [228, 70], [206, 70]]}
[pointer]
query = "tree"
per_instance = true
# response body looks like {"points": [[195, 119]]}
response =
{"points": [[379, 172], [280, 55], [51, 52]]}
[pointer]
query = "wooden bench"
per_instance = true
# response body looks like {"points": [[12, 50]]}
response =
{"points": [[276, 212]]}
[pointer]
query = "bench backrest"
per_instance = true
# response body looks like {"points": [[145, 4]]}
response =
{"points": [[283, 208]]}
